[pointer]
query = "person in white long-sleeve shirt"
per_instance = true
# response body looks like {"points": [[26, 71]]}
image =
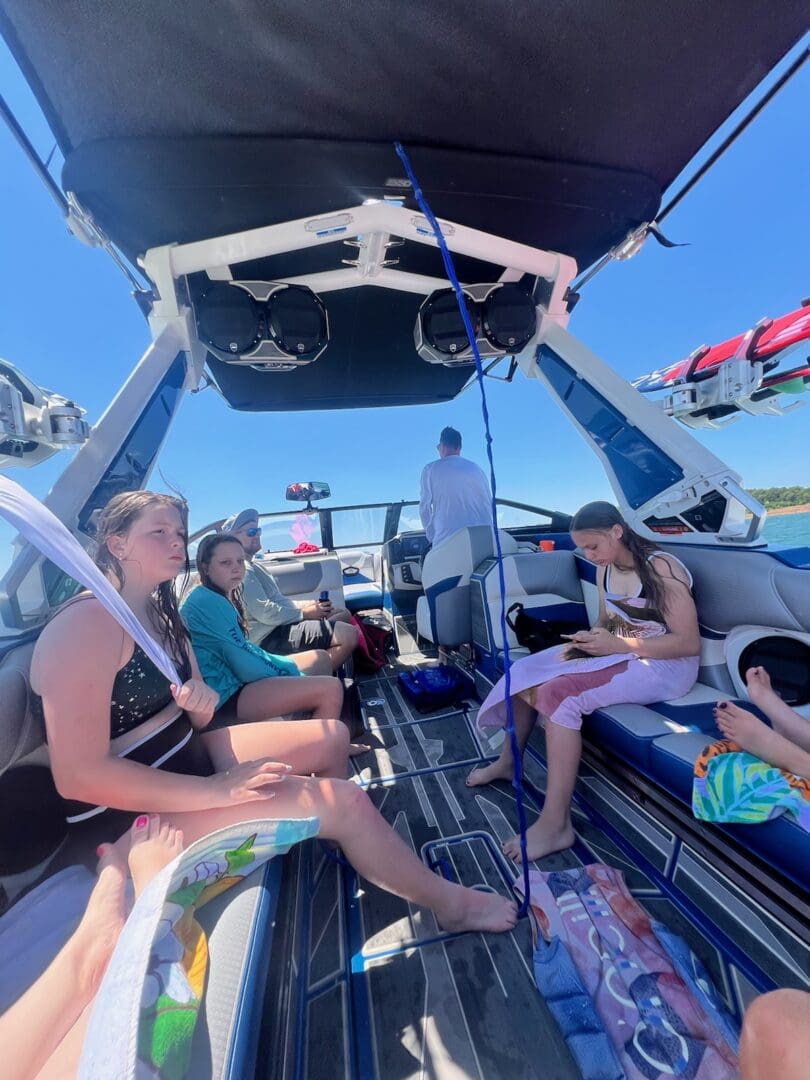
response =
{"points": [[455, 493]]}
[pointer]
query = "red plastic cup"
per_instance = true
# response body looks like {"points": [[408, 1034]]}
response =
{"points": [[546, 545]]}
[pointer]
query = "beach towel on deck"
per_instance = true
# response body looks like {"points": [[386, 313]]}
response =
{"points": [[143, 1018], [573, 1010], [659, 1025], [732, 785]]}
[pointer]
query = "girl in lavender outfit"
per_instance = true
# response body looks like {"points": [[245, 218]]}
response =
{"points": [[644, 648]]}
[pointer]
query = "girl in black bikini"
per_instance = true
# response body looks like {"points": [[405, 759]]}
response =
{"points": [[74, 670]]}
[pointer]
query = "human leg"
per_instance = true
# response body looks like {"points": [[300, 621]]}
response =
{"points": [[348, 817], [784, 719], [345, 637], [749, 733], [36, 1024], [338, 640], [46, 1026], [553, 830], [503, 769], [322, 695], [340, 615], [775, 1039], [561, 701], [313, 662], [310, 746]]}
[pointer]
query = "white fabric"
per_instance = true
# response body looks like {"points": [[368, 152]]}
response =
{"points": [[47, 533], [147, 941], [455, 494]]}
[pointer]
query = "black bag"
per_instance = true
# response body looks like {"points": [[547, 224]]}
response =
{"points": [[537, 634], [352, 712]]}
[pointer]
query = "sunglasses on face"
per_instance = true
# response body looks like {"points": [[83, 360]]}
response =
{"points": [[253, 531]]}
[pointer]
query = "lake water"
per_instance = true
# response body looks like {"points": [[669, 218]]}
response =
{"points": [[791, 529]]}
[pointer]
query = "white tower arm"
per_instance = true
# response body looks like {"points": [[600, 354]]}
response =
{"points": [[667, 483]]}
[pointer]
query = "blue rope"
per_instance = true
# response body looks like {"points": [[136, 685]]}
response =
{"points": [[517, 780]]}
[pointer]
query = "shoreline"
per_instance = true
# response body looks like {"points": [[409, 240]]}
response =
{"points": [[779, 511]]}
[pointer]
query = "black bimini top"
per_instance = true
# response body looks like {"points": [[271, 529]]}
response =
{"points": [[555, 123]]}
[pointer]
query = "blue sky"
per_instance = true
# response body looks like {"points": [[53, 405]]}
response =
{"points": [[67, 319]]}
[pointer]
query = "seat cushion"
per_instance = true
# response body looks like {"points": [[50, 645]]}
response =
{"points": [[782, 842], [546, 583], [37, 927], [361, 595], [239, 925], [630, 730]]}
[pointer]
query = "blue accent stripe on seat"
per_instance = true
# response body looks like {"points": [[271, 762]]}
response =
{"points": [[432, 593]]}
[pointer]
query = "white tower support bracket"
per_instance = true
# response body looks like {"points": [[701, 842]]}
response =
{"points": [[666, 482], [372, 229], [85, 472]]}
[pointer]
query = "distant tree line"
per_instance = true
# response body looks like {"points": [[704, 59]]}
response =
{"points": [[774, 498]]}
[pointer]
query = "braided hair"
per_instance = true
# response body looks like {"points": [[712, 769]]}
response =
{"points": [[205, 552]]}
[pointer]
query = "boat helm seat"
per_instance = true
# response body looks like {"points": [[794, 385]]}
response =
{"points": [[443, 614]]}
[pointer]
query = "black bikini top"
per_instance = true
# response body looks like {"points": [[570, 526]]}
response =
{"points": [[139, 692]]}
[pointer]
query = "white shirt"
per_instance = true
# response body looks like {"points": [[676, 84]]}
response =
{"points": [[454, 495]]}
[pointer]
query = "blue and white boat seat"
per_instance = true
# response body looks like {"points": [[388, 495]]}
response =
{"points": [[546, 583], [362, 577], [443, 613], [239, 925], [744, 602]]}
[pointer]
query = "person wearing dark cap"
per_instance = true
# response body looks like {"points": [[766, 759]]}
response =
{"points": [[276, 623], [455, 493]]}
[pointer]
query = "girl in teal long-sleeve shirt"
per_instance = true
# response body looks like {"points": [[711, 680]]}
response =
{"points": [[252, 685]]}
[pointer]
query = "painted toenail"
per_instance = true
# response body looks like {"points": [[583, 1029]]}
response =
{"points": [[723, 705], [142, 822], [101, 849]]}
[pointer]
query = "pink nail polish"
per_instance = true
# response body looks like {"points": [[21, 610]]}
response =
{"points": [[101, 849], [141, 822]]}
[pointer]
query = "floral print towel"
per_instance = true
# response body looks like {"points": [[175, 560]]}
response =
{"points": [[732, 785], [143, 1019]]}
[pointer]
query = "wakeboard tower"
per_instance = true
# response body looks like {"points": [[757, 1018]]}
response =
{"points": [[277, 251]]}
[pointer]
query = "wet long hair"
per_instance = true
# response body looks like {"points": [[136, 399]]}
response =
{"points": [[601, 517], [116, 519], [205, 552]]}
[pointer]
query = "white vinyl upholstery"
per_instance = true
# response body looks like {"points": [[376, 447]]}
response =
{"points": [[545, 582], [443, 612]]}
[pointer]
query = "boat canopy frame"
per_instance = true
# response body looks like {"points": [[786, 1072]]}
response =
{"points": [[666, 482]]}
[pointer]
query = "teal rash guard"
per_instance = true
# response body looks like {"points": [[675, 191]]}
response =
{"points": [[227, 659]]}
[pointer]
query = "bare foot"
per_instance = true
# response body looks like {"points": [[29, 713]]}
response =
{"points": [[152, 846], [357, 748], [541, 839], [474, 909], [102, 922], [758, 682], [488, 773], [746, 730]]}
